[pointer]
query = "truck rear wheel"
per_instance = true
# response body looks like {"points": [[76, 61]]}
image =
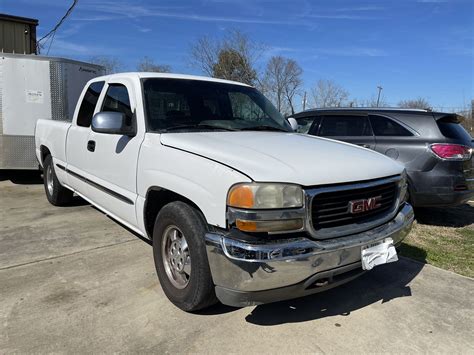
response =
{"points": [[57, 194], [180, 257]]}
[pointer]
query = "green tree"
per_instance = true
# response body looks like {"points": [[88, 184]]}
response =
{"points": [[232, 65], [233, 57]]}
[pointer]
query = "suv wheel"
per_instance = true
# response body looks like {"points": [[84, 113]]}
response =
{"points": [[180, 257]]}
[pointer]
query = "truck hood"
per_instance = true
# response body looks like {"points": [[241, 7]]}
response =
{"points": [[286, 157]]}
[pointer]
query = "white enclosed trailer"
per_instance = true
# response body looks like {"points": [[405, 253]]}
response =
{"points": [[31, 88]]}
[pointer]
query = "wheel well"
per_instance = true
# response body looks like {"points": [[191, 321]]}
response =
{"points": [[44, 153], [156, 199]]}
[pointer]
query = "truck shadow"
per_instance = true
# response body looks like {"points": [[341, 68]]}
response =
{"points": [[22, 177], [459, 216], [384, 284], [77, 201]]}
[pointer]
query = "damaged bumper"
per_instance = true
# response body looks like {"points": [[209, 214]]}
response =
{"points": [[250, 273]]}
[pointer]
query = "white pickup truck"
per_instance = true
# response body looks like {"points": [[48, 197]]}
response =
{"points": [[239, 208]]}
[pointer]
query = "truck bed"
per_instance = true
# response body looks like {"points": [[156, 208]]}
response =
{"points": [[51, 134]]}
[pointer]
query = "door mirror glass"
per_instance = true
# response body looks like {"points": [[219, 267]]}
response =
{"points": [[112, 123], [293, 123]]}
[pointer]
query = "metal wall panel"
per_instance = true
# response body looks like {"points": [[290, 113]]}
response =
{"points": [[59, 84], [17, 152], [15, 37], [26, 94]]}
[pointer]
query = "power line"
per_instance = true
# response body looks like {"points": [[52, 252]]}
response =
{"points": [[50, 43], [55, 28]]}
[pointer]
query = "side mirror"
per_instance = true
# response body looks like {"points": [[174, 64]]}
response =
{"points": [[113, 123], [293, 123]]}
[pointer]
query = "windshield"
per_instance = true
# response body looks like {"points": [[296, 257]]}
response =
{"points": [[189, 105]]}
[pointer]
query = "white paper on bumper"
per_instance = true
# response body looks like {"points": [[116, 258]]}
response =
{"points": [[379, 254]]}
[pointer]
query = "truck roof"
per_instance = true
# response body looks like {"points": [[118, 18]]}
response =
{"points": [[144, 75]]}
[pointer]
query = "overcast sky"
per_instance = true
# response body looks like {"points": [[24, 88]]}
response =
{"points": [[410, 47]]}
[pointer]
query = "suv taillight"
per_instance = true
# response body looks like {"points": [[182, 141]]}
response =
{"points": [[448, 151]]}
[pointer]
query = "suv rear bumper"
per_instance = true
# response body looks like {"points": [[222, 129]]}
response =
{"points": [[442, 199], [448, 184], [250, 274]]}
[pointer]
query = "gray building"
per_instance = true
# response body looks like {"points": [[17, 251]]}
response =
{"points": [[17, 34]]}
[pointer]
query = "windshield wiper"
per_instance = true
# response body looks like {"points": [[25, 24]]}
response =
{"points": [[264, 128], [197, 126]]}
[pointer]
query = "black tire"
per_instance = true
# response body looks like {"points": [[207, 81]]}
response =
{"points": [[57, 194], [198, 290]]}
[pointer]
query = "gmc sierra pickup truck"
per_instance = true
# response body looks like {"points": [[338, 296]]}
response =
{"points": [[238, 207]]}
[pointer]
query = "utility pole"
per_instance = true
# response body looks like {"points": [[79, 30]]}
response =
{"points": [[378, 96], [304, 101], [472, 115]]}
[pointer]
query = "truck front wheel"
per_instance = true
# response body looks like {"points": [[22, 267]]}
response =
{"points": [[180, 257], [57, 194]]}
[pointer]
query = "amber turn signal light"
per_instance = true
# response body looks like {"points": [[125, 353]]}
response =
{"points": [[241, 196]]}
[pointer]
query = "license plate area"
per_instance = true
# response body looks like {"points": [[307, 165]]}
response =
{"points": [[378, 253]]}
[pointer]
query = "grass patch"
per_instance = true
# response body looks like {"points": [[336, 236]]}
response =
{"points": [[444, 238]]}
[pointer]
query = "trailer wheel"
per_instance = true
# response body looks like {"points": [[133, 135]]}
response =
{"points": [[180, 257], [57, 194]]}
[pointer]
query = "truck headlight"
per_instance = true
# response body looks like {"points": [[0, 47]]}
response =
{"points": [[265, 196], [266, 207]]}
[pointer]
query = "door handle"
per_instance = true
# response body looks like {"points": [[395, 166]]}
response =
{"points": [[91, 146]]}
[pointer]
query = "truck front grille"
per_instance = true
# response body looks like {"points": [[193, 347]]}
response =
{"points": [[332, 209]]}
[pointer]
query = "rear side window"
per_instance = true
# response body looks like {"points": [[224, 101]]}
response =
{"points": [[117, 100], [84, 117], [384, 126], [349, 126], [305, 123], [454, 131]]}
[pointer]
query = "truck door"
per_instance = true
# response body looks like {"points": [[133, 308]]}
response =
{"points": [[112, 158], [77, 137], [351, 128]]}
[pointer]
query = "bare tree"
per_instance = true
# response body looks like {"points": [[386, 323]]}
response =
{"points": [[204, 54], [327, 93], [372, 102], [148, 64], [467, 112], [111, 64], [281, 82], [420, 102], [235, 53]]}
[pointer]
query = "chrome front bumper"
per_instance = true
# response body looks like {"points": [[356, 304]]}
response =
{"points": [[254, 273]]}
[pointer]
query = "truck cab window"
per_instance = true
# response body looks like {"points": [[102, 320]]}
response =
{"points": [[348, 126], [200, 105], [117, 100], [84, 117], [384, 126], [243, 107]]}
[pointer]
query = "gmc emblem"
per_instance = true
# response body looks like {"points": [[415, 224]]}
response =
{"points": [[359, 206]]}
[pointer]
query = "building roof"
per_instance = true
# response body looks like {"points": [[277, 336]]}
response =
{"points": [[19, 19]]}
